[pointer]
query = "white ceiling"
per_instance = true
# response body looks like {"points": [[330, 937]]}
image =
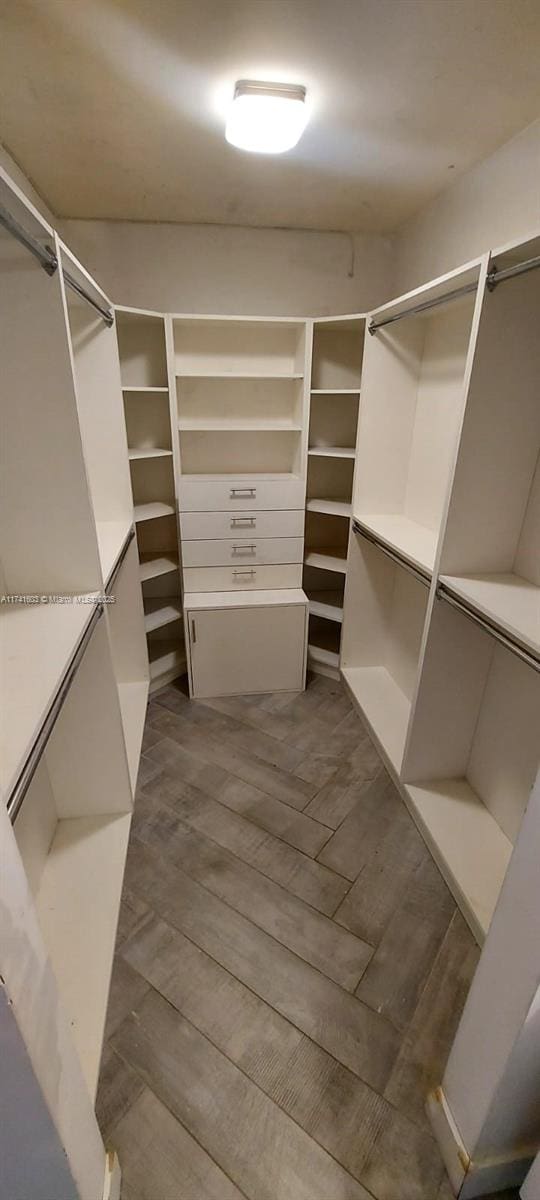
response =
{"points": [[115, 108]]}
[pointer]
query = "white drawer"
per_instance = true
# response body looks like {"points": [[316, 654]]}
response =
{"points": [[273, 523], [239, 495], [240, 552], [227, 579]]}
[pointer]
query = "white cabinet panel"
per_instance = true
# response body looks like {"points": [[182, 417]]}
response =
{"points": [[285, 523], [242, 551], [237, 651], [223, 579], [240, 494]]}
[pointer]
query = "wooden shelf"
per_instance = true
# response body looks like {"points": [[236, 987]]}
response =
{"points": [[232, 426], [153, 510], [143, 388], [239, 375], [38, 641], [153, 564], [335, 391], [321, 656], [111, 536], [82, 881], [508, 601], [161, 610], [466, 842], [327, 604], [384, 707], [326, 560], [167, 658], [153, 452], [337, 508], [133, 698], [332, 451], [413, 542]]}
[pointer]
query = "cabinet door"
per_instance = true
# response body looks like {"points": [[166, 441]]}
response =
{"points": [[237, 651]]}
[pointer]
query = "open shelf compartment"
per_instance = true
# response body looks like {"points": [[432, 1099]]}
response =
{"points": [[248, 349], [338, 345], [385, 612], [472, 757]]}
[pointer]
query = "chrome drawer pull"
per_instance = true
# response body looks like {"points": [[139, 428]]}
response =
{"points": [[251, 549], [243, 493], [243, 522], [251, 573]]}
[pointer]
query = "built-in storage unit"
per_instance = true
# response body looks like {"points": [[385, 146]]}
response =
{"points": [[441, 642], [153, 459], [336, 369], [74, 681], [241, 404]]}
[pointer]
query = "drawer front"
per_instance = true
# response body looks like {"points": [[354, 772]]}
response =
{"points": [[240, 552], [240, 495], [241, 579], [238, 651], [273, 523]]}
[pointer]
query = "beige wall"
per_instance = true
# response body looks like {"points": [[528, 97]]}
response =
{"points": [[495, 202], [227, 269]]}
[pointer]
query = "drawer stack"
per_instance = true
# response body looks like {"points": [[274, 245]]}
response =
{"points": [[241, 391]]}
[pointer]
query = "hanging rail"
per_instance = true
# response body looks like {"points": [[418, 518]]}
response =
{"points": [[396, 557], [18, 793], [488, 626], [493, 278], [111, 580], [49, 261]]}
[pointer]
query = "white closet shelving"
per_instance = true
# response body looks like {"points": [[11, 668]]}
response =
{"points": [[442, 605], [74, 668], [153, 458], [333, 423]]}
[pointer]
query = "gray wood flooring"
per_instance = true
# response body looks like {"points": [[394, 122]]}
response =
{"points": [[290, 966]]}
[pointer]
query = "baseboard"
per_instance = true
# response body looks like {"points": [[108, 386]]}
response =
{"points": [[113, 1177], [468, 1177]]}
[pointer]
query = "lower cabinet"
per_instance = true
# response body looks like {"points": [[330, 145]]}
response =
{"points": [[239, 646]]}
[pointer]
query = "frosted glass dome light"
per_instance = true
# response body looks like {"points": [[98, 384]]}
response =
{"points": [[266, 118]]}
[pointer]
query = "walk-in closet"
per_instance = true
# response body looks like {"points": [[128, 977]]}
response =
{"points": [[270, 602]]}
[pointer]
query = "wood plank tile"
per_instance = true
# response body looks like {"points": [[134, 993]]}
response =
{"points": [[266, 1154], [126, 992], [350, 1120], [299, 874], [340, 955], [337, 797], [242, 764], [161, 1161], [358, 838], [118, 1088], [318, 769], [395, 978], [270, 814], [422, 1058], [339, 741], [275, 724], [236, 734], [382, 883], [341, 1024]]}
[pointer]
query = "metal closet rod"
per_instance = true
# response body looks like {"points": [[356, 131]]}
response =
{"points": [[444, 594], [393, 554], [17, 795], [111, 580], [48, 260], [493, 278]]}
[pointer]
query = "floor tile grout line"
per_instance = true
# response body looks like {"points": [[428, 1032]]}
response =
{"points": [[283, 945], [168, 921], [254, 1083], [177, 1120], [283, 887]]}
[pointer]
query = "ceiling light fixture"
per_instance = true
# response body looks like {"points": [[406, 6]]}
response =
{"points": [[266, 118]]}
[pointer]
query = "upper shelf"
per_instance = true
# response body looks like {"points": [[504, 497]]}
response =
{"points": [[152, 452], [143, 388], [509, 602], [200, 374], [343, 391], [338, 508], [237, 426], [413, 542], [332, 451]]}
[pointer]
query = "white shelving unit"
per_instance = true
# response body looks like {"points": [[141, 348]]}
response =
{"points": [[334, 402], [241, 397], [75, 672], [441, 638], [150, 419]]}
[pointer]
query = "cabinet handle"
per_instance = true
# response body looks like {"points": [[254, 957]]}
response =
{"points": [[243, 493], [241, 549], [251, 573], [193, 632], [243, 522]]}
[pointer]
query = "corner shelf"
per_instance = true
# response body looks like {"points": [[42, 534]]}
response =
{"points": [[161, 610], [135, 454], [326, 603], [152, 565], [335, 391], [144, 388], [326, 559], [152, 510], [332, 451], [337, 508]]}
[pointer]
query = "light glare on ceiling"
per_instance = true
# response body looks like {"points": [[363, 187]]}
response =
{"points": [[267, 118]]}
